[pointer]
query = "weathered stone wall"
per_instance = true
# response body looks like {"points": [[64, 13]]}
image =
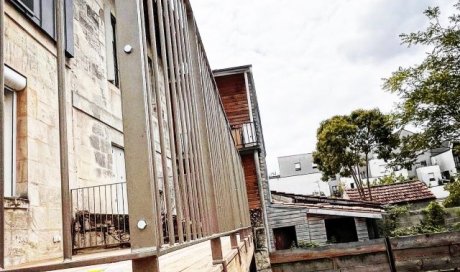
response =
{"points": [[33, 229], [30, 230], [261, 252]]}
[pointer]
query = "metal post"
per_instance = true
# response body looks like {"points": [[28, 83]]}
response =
{"points": [[176, 108], [233, 241], [2, 122], [216, 251], [144, 225], [150, 111], [390, 255], [63, 140], [179, 192]]}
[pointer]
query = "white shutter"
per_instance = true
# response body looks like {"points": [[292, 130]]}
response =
{"points": [[120, 194], [10, 144]]}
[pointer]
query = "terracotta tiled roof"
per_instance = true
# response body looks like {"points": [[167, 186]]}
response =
{"points": [[404, 192]]}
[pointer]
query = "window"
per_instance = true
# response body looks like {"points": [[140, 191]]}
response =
{"points": [[314, 166], [41, 12], [29, 4], [423, 163], [431, 176], [10, 144], [297, 166], [111, 46], [352, 185]]}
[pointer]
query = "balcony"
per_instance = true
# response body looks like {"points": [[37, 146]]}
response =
{"points": [[245, 135]]}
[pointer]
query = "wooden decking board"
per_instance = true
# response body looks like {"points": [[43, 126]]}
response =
{"points": [[193, 258]]}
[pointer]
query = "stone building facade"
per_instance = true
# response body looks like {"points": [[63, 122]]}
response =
{"points": [[33, 229]]}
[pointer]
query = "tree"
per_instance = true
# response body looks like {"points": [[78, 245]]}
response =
{"points": [[453, 200], [391, 179], [430, 91], [345, 142]]}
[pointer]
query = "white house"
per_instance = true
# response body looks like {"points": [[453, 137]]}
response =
{"points": [[310, 184]]}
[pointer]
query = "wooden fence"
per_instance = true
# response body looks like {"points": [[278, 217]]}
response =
{"points": [[431, 252]]}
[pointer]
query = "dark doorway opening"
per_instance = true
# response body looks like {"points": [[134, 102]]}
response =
{"points": [[341, 230], [285, 238], [372, 228]]}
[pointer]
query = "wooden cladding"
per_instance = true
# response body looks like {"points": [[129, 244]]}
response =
{"points": [[232, 89], [250, 175]]}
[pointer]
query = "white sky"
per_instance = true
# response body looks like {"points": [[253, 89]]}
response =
{"points": [[312, 59]]}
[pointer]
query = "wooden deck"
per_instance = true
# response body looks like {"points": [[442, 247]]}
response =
{"points": [[193, 258]]}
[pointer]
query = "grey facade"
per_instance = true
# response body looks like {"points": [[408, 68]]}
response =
{"points": [[297, 165]]}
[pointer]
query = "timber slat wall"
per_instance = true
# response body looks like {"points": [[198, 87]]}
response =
{"points": [[317, 229], [279, 217], [233, 93], [361, 229], [413, 253], [250, 174]]}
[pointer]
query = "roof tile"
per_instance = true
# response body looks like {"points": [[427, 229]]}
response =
{"points": [[404, 192]]}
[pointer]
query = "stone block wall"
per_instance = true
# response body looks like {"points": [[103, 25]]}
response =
{"points": [[94, 120], [33, 227]]}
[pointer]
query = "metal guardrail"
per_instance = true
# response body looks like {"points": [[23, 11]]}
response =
{"points": [[100, 217], [245, 135], [207, 190]]}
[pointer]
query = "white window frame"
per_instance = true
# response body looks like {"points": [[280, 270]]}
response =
{"points": [[10, 144]]}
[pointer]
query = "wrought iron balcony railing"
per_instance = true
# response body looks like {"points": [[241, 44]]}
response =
{"points": [[245, 135]]}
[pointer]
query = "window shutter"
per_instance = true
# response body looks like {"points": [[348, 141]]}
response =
{"points": [[47, 18], [110, 61], [69, 39]]}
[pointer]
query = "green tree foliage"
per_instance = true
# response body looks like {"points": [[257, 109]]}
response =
{"points": [[430, 91], [344, 143], [389, 179], [453, 200], [434, 215]]}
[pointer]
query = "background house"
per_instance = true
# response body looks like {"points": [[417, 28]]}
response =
{"points": [[295, 218], [298, 174]]}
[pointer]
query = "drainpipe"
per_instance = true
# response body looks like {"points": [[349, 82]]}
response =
{"points": [[2, 100], [63, 141]]}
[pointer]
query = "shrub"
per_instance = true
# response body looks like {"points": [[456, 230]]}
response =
{"points": [[391, 220], [434, 220], [434, 215], [453, 200], [307, 244]]}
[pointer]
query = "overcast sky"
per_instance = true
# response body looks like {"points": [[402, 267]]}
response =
{"points": [[312, 59]]}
